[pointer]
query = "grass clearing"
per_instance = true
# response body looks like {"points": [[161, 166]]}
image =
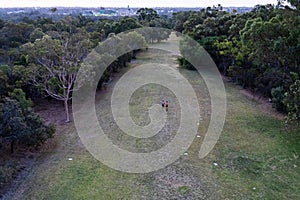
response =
{"points": [[258, 157], [255, 157]]}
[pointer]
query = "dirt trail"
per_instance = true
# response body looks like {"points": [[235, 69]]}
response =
{"points": [[188, 171]]}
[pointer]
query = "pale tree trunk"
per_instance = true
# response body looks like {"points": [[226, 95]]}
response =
{"points": [[67, 110]]}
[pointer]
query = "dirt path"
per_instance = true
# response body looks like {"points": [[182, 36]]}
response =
{"points": [[187, 172]]}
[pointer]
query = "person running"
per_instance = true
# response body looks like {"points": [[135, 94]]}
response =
{"points": [[163, 103], [167, 105]]}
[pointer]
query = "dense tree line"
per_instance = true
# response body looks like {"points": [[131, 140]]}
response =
{"points": [[40, 58], [19, 124], [259, 50]]}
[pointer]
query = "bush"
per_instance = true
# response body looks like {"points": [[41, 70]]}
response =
{"points": [[186, 64], [277, 98], [292, 101]]}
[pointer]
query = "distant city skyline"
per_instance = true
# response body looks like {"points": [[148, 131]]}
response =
{"points": [[132, 3]]}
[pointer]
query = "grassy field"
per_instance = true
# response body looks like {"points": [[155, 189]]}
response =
{"points": [[255, 157]]}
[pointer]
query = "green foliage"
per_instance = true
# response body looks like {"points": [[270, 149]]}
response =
{"points": [[12, 77], [19, 95], [184, 63], [20, 124], [146, 14], [184, 189], [12, 121], [292, 101], [124, 42], [278, 97], [36, 34], [44, 55], [188, 51], [258, 50], [3, 85], [180, 21], [55, 60], [125, 24], [5, 69], [154, 35], [149, 17], [24, 60]]}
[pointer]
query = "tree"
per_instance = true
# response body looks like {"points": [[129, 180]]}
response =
{"points": [[146, 14], [189, 52], [55, 62], [111, 59], [11, 37], [257, 49], [12, 127], [18, 122], [125, 24]]}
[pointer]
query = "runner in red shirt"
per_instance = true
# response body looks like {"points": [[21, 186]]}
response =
{"points": [[167, 105]]}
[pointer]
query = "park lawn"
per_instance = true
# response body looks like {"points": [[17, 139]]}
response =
{"points": [[70, 172], [258, 158], [255, 158]]}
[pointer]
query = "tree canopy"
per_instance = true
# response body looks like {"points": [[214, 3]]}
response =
{"points": [[258, 49]]}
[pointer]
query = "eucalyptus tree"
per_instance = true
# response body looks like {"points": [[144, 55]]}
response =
{"points": [[54, 62]]}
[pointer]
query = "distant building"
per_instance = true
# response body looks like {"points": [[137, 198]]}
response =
{"points": [[106, 13], [88, 13]]}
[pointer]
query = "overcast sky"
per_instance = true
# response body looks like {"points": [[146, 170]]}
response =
{"points": [[131, 3]]}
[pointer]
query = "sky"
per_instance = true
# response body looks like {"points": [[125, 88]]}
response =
{"points": [[131, 3]]}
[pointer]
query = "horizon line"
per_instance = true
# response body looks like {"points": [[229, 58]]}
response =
{"points": [[122, 7]]}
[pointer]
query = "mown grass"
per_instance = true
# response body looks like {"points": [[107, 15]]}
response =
{"points": [[55, 176], [85, 178], [258, 158]]}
